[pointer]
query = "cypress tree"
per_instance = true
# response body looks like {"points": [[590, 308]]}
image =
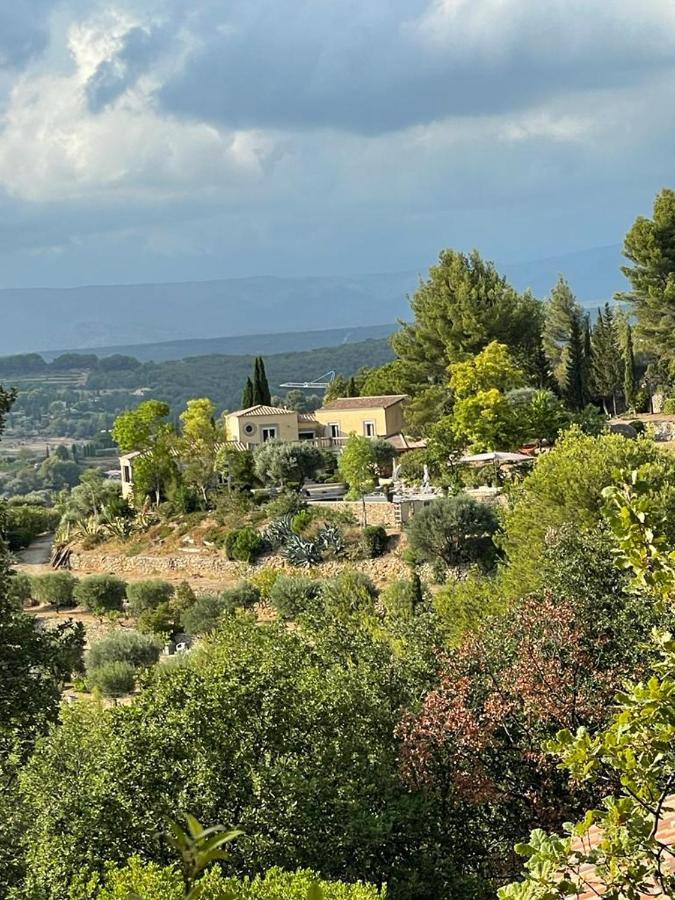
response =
{"points": [[575, 389], [261, 388], [629, 369], [588, 358], [247, 396], [352, 390]]}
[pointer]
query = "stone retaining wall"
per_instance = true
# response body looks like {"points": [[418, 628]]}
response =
{"points": [[216, 568], [380, 513]]}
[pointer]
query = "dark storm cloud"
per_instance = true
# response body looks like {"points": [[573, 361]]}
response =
{"points": [[377, 66]]}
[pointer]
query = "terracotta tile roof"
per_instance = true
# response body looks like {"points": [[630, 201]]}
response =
{"points": [[261, 410], [664, 833], [308, 417], [365, 402]]}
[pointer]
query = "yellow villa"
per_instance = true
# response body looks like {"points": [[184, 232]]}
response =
{"points": [[329, 427], [367, 416]]}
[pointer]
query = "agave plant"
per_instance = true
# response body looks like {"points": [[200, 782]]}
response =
{"points": [[330, 538], [300, 552], [279, 533], [91, 527], [119, 527]]}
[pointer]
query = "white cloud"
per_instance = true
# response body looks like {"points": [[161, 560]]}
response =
{"points": [[271, 125], [52, 147]]}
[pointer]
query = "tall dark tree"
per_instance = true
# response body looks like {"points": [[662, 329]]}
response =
{"points": [[650, 247], [247, 396], [629, 384], [352, 389], [608, 368], [588, 357], [575, 387], [261, 388], [560, 309]]}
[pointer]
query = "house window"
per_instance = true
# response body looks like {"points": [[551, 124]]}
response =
{"points": [[126, 474], [334, 430], [269, 433], [369, 429], [306, 435]]}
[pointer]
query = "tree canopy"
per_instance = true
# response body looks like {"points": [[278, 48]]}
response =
{"points": [[462, 306], [649, 247]]}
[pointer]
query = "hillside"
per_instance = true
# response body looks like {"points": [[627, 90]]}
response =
{"points": [[256, 344], [109, 315], [82, 401], [159, 321]]}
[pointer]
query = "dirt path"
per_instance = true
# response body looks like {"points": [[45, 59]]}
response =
{"points": [[34, 560]]}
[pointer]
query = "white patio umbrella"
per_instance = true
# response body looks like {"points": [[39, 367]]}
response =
{"points": [[496, 457]]}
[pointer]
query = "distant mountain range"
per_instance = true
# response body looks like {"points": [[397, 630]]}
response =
{"points": [[257, 315], [245, 344]]}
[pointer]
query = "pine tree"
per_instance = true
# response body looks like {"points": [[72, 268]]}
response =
{"points": [[608, 366], [629, 369], [575, 388], [561, 309], [650, 247], [247, 396]]}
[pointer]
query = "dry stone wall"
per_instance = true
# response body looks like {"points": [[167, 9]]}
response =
{"points": [[377, 513], [215, 567]]}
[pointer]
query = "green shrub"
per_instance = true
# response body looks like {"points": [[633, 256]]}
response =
{"points": [[292, 595], [123, 645], [101, 593], [215, 535], [113, 679], [401, 598], [275, 884], [204, 614], [243, 544], [669, 406], [375, 540], [286, 504], [638, 425], [302, 520], [455, 529], [164, 619], [55, 588], [20, 589], [25, 523], [348, 594], [463, 605], [264, 580], [565, 486], [148, 594], [244, 595], [152, 882]]}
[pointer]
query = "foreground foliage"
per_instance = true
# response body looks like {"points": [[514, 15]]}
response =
{"points": [[291, 737]]}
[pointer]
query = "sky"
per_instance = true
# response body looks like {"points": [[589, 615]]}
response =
{"points": [[167, 140]]}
